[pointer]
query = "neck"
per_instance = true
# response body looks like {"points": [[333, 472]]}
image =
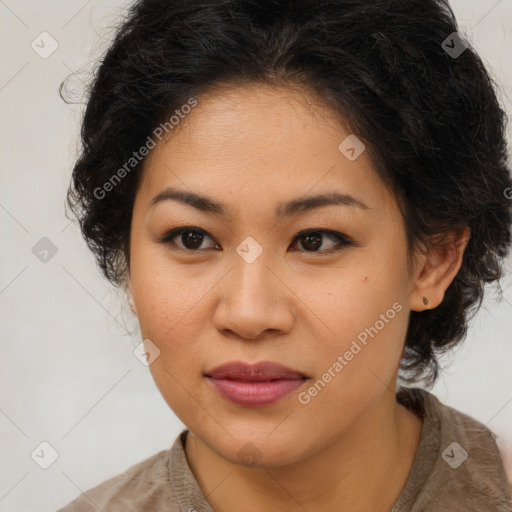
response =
{"points": [[365, 469]]}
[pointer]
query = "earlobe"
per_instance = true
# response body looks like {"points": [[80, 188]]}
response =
{"points": [[437, 269]]}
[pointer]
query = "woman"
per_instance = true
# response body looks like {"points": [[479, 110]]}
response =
{"points": [[303, 201]]}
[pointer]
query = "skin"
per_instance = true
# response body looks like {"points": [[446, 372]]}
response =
{"points": [[251, 148]]}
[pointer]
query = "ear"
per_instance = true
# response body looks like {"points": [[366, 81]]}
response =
{"points": [[130, 300], [436, 269]]}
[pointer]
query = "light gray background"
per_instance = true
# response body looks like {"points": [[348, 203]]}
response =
{"points": [[68, 373]]}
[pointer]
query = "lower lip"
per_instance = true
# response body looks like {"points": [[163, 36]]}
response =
{"points": [[255, 394]]}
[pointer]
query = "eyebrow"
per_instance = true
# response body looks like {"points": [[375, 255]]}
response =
{"points": [[287, 209]]}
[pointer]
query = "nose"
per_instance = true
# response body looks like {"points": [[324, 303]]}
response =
{"points": [[255, 301]]}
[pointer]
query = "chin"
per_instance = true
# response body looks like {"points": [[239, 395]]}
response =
{"points": [[257, 449]]}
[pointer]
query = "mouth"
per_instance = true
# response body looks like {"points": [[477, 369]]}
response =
{"points": [[255, 385]]}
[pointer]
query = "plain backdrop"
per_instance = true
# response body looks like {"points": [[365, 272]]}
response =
{"points": [[68, 373]]}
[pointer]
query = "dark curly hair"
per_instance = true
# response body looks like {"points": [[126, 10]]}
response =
{"points": [[430, 120]]}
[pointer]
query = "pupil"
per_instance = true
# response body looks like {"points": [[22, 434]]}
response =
{"points": [[313, 240], [192, 236]]}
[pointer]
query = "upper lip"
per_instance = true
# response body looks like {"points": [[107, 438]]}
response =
{"points": [[262, 371]]}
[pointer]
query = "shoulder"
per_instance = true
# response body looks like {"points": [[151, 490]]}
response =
{"points": [[144, 486], [458, 465]]}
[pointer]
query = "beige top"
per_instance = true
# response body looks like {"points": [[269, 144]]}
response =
{"points": [[457, 468]]}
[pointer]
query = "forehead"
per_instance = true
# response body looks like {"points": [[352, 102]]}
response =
{"points": [[259, 140]]}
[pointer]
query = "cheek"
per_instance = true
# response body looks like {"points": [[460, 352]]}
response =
{"points": [[168, 308], [365, 347], [168, 315], [362, 319], [166, 300], [354, 370]]}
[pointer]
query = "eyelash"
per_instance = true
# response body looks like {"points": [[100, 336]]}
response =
{"points": [[342, 240]]}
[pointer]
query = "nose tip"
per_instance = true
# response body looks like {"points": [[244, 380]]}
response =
{"points": [[253, 301]]}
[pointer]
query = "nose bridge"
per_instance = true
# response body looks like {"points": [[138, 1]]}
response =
{"points": [[252, 274], [251, 297]]}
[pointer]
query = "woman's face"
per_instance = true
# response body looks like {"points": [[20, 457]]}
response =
{"points": [[245, 288]]}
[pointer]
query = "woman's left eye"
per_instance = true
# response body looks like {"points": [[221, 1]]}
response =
{"points": [[312, 240]]}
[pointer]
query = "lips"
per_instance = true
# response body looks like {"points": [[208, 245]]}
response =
{"points": [[263, 371], [254, 385]]}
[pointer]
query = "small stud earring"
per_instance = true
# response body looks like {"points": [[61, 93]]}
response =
{"points": [[425, 300]]}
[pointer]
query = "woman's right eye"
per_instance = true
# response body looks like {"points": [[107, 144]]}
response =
{"points": [[190, 238]]}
